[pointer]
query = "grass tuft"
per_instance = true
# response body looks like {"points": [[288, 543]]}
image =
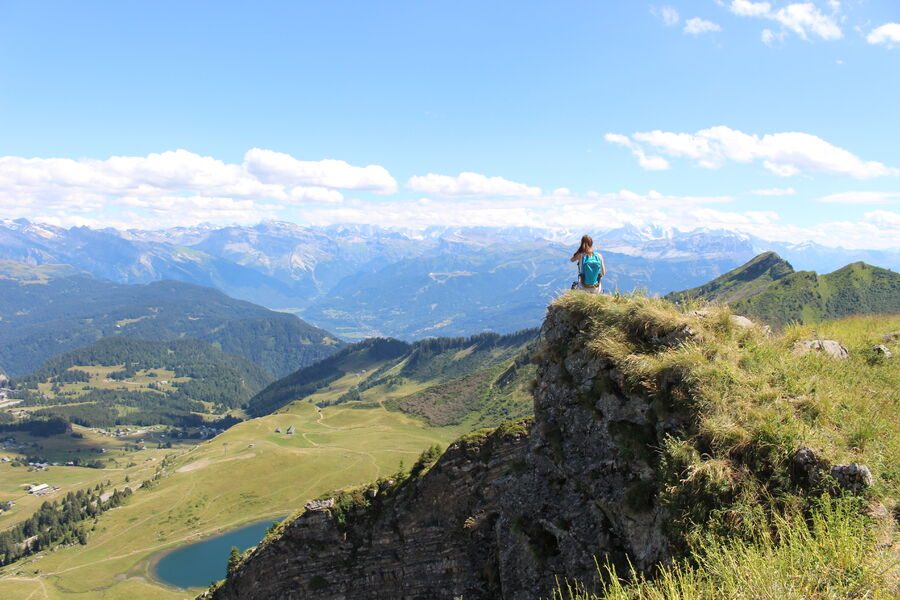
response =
{"points": [[830, 554]]}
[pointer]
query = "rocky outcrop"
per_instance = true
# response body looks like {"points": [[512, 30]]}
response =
{"points": [[853, 477], [809, 469], [828, 347], [499, 515]]}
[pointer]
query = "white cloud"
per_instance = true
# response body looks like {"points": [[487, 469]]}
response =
{"points": [[805, 19], [667, 14], [697, 26], [181, 188], [270, 166], [316, 194], [785, 154], [601, 211], [650, 163], [769, 37], [191, 186], [470, 184], [883, 218], [885, 35], [775, 192], [745, 8], [861, 198], [593, 210]]}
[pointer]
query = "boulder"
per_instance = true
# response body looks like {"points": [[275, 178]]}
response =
{"points": [[882, 350], [829, 347], [853, 477], [891, 337], [743, 322]]}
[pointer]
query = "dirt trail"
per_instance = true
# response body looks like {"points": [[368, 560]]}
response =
{"points": [[205, 462]]}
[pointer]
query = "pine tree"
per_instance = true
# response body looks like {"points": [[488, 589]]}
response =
{"points": [[234, 559]]}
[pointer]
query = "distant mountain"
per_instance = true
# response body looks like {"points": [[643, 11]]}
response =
{"points": [[478, 381], [361, 281], [60, 314], [768, 289], [122, 381]]}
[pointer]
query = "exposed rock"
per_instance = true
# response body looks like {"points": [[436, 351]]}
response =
{"points": [[853, 477], [322, 504], [498, 516], [808, 468], [891, 337], [736, 320], [882, 350], [743, 322], [829, 347]]}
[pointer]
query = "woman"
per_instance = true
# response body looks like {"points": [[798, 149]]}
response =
{"points": [[591, 267]]}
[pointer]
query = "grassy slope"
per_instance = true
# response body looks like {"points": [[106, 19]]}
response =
{"points": [[804, 297], [465, 382], [63, 448], [727, 479], [34, 274], [214, 487]]}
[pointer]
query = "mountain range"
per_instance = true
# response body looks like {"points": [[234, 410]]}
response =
{"points": [[363, 281], [768, 289]]}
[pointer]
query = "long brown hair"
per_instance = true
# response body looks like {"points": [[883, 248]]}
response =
{"points": [[587, 243]]}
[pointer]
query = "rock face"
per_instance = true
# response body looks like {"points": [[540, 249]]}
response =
{"points": [[498, 516]]}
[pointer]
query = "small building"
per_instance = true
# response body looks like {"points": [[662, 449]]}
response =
{"points": [[291, 430], [278, 430], [39, 490]]}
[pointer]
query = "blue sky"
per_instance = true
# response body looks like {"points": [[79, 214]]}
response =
{"points": [[560, 114]]}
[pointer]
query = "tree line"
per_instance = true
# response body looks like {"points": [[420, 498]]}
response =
{"points": [[58, 522]]}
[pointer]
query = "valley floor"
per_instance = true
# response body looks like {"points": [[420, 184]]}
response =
{"points": [[246, 474]]}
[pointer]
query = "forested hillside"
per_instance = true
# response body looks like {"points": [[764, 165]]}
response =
{"points": [[42, 316], [120, 381], [768, 289]]}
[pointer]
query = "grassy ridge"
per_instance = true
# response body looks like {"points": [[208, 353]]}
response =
{"points": [[768, 289], [729, 476]]}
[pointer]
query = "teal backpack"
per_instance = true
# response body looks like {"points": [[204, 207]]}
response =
{"points": [[591, 270]]}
